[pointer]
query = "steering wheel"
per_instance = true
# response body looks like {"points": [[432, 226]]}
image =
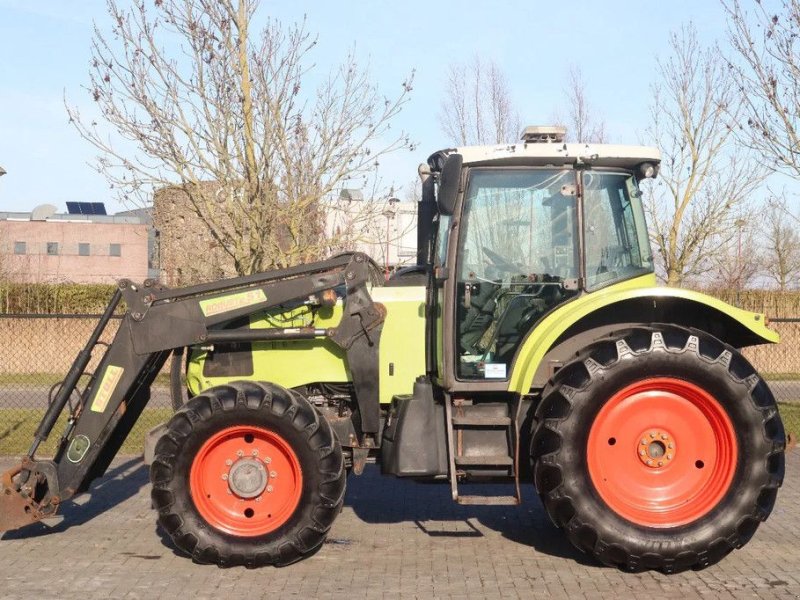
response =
{"points": [[500, 261]]}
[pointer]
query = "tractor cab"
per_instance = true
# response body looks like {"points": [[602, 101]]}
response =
{"points": [[524, 228]]}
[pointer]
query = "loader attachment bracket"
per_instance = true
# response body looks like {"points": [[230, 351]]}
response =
{"points": [[18, 490], [359, 334]]}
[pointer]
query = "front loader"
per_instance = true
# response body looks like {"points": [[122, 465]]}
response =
{"points": [[530, 343]]}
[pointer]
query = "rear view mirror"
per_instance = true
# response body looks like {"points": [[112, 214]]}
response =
{"points": [[449, 181]]}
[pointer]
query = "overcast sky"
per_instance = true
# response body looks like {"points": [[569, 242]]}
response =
{"points": [[44, 49]]}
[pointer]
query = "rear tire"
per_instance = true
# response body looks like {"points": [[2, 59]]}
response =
{"points": [[248, 474], [660, 448]]}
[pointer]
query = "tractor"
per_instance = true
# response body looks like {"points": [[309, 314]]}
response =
{"points": [[531, 343]]}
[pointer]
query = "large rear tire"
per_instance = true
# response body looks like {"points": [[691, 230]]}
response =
{"points": [[660, 448], [248, 474]]}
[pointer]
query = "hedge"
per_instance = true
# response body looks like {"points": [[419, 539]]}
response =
{"points": [[53, 298], [75, 298]]}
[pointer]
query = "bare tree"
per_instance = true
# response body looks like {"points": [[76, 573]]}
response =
{"points": [[190, 97], [477, 107], [737, 262], [583, 123], [782, 245], [766, 69], [705, 178]]}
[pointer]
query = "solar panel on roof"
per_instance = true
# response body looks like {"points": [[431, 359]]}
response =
{"points": [[86, 208]]}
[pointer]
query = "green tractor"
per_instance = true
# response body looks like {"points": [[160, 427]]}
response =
{"points": [[530, 343]]}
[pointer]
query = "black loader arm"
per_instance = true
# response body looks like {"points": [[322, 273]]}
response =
{"points": [[157, 321]]}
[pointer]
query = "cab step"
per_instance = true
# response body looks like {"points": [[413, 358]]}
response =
{"points": [[464, 418], [484, 461], [481, 421], [489, 500]]}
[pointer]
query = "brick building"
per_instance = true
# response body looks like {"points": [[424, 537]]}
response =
{"points": [[44, 247], [189, 254], [187, 251]]}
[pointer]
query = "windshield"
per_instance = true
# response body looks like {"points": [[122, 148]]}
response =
{"points": [[519, 222], [617, 245]]}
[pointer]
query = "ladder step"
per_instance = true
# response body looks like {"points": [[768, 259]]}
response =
{"points": [[478, 421], [492, 461], [489, 500]]}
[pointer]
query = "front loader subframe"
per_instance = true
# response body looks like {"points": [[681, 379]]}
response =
{"points": [[157, 321]]}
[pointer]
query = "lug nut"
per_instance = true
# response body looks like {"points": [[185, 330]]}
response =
{"points": [[641, 452], [649, 462], [240, 453], [652, 434], [669, 456], [660, 464], [664, 436], [669, 445], [254, 452], [269, 488], [267, 460], [644, 440], [224, 477], [273, 473], [229, 462]]}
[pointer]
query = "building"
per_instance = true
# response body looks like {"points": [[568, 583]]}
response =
{"points": [[188, 253], [45, 247], [386, 232]]}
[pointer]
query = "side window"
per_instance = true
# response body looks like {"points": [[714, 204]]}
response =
{"points": [[441, 241], [83, 249], [115, 250], [615, 234], [20, 248], [601, 238], [52, 248]]}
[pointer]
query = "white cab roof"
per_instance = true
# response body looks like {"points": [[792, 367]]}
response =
{"points": [[558, 154]]}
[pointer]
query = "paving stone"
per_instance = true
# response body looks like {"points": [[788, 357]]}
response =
{"points": [[394, 539]]}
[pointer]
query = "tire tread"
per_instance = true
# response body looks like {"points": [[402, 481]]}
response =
{"points": [[249, 398], [570, 384]]}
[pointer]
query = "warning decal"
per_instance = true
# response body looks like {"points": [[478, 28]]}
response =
{"points": [[106, 388]]}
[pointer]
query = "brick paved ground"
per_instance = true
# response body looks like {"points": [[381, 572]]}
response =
{"points": [[394, 539]]}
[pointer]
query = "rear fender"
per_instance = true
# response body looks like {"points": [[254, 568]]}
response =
{"points": [[577, 323]]}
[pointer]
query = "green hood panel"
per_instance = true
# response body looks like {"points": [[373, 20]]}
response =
{"points": [[296, 363], [545, 334]]}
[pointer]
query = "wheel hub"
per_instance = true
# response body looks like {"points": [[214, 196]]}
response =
{"points": [[248, 478], [634, 460], [656, 448]]}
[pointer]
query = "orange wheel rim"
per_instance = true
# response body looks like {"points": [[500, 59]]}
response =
{"points": [[662, 452], [246, 481]]}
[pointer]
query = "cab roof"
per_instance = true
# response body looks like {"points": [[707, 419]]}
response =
{"points": [[551, 154]]}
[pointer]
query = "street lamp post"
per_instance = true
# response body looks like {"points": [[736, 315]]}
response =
{"points": [[390, 214], [739, 223]]}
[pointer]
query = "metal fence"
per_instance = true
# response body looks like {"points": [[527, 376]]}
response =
{"points": [[37, 351], [35, 354]]}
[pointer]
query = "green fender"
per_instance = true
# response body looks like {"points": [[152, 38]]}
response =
{"points": [[545, 334]]}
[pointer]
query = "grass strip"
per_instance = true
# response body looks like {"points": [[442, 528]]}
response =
{"points": [[17, 426]]}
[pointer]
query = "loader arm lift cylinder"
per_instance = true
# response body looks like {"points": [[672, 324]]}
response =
{"points": [[159, 320]]}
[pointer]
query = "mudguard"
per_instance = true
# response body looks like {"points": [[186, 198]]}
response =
{"points": [[628, 302]]}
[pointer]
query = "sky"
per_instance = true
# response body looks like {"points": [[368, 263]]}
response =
{"points": [[44, 56]]}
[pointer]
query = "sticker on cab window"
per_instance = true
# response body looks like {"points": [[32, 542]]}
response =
{"points": [[495, 371]]}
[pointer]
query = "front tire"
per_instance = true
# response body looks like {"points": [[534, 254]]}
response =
{"points": [[248, 474], [660, 448]]}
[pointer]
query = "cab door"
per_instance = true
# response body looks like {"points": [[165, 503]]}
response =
{"points": [[512, 257]]}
